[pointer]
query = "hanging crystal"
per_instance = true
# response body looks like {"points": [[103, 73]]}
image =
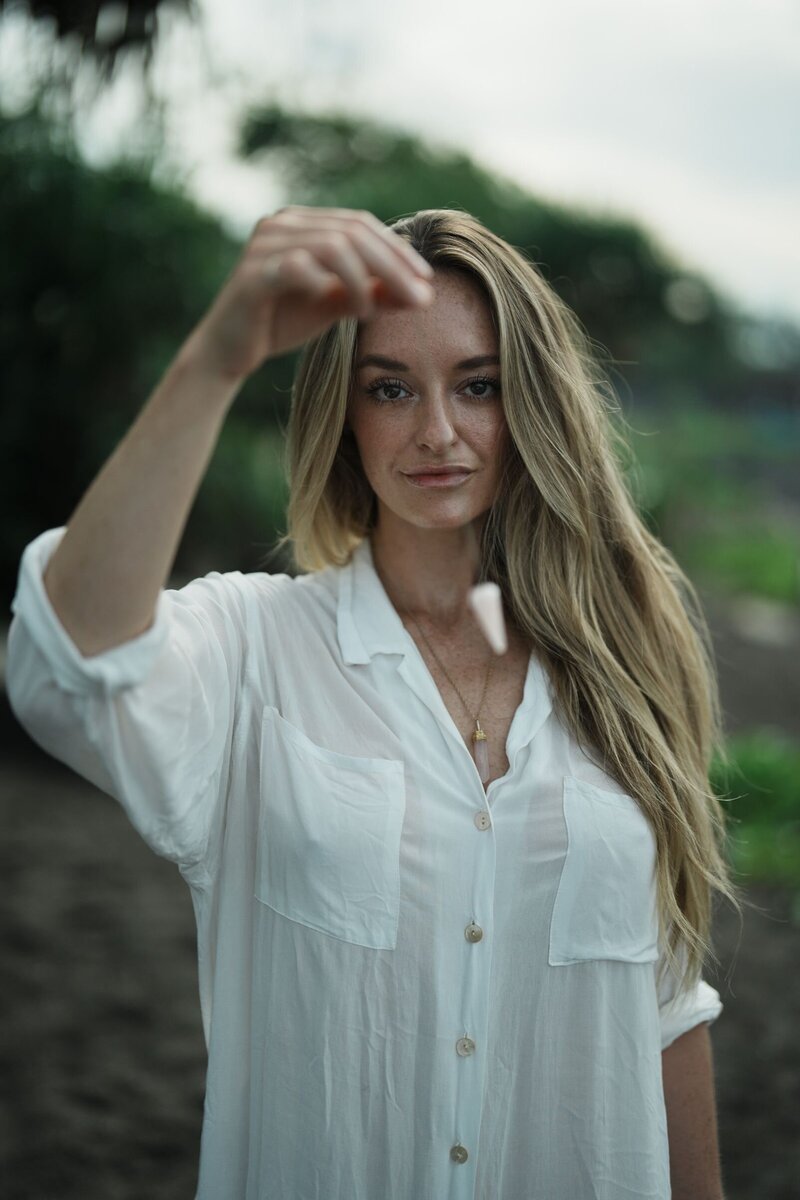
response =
{"points": [[480, 750], [486, 603]]}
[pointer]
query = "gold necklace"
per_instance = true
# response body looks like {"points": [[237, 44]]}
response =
{"points": [[480, 748]]}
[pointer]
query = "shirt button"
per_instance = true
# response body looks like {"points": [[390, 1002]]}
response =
{"points": [[458, 1153], [465, 1046], [473, 933], [483, 820]]}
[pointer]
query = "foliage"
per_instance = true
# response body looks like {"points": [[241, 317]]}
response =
{"points": [[625, 287], [105, 275], [241, 506], [708, 483], [762, 794]]}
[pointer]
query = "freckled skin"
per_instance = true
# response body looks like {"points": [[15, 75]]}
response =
{"points": [[434, 423], [425, 544]]}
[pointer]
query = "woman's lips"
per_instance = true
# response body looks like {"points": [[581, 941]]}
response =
{"points": [[450, 479]]}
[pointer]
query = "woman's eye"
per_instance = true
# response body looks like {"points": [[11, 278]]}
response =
{"points": [[483, 383], [391, 385], [394, 385]]}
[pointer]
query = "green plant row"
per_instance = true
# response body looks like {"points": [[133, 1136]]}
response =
{"points": [[761, 794], [708, 484]]}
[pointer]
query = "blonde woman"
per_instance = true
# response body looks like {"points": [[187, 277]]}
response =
{"points": [[417, 980]]}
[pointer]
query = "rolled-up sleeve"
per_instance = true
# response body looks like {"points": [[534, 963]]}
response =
{"points": [[150, 721], [680, 1013]]}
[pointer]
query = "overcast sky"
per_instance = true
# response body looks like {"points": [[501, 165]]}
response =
{"points": [[683, 115]]}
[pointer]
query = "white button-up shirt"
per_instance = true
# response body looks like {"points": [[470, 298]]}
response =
{"points": [[411, 989]]}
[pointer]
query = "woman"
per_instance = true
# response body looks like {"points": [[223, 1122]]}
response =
{"points": [[415, 982]]}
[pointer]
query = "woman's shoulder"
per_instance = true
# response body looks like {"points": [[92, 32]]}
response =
{"points": [[300, 598], [259, 608], [266, 586]]}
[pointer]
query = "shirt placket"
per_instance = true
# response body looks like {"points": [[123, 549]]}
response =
{"points": [[470, 993]]}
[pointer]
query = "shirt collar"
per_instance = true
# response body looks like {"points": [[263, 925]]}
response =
{"points": [[367, 621], [368, 624]]}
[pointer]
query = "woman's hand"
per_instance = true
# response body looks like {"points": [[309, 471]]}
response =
{"points": [[302, 269]]}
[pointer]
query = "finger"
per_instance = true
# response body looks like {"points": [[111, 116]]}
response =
{"points": [[337, 217], [338, 250], [286, 266], [394, 274], [403, 249], [298, 270], [391, 265], [369, 249]]}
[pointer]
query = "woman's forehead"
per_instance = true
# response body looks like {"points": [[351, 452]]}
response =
{"points": [[456, 325]]}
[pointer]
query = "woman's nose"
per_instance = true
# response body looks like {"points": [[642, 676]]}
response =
{"points": [[435, 423]]}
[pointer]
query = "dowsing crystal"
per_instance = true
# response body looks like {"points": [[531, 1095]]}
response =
{"points": [[486, 602]]}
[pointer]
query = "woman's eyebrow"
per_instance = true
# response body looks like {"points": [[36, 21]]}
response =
{"points": [[392, 364]]}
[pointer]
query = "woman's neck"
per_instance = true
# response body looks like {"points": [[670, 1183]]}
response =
{"points": [[428, 573]]}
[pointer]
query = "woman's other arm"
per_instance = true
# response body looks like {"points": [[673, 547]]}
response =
{"points": [[688, 1074]]}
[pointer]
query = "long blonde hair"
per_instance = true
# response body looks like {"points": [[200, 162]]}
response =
{"points": [[614, 619]]}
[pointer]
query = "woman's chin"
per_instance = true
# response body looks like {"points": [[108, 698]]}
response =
{"points": [[455, 518]]}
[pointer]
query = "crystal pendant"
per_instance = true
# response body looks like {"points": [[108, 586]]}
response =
{"points": [[480, 748]]}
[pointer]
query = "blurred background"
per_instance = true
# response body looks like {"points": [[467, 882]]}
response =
{"points": [[646, 157]]}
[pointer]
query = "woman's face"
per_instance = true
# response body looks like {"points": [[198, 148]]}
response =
{"points": [[429, 409]]}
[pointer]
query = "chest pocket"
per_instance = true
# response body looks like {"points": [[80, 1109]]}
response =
{"points": [[328, 851], [605, 905]]}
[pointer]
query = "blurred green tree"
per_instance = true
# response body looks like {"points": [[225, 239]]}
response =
{"points": [[105, 275], [659, 320]]}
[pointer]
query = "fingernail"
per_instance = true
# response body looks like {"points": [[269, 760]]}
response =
{"points": [[423, 291]]}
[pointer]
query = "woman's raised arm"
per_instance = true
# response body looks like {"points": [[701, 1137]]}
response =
{"points": [[302, 269]]}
